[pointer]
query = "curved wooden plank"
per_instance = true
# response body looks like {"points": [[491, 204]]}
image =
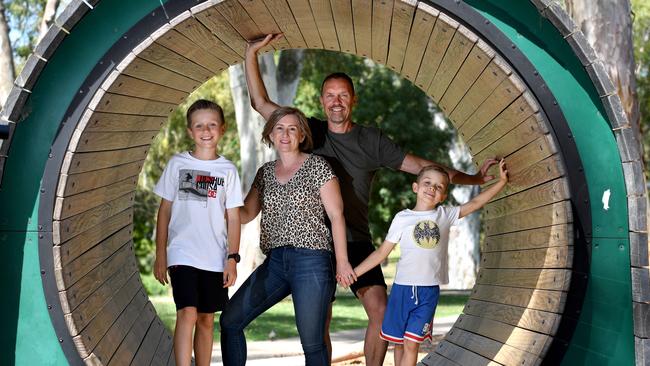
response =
{"points": [[149, 345], [543, 194], [145, 70], [73, 205], [535, 320], [459, 48], [281, 12], [544, 237], [100, 141], [553, 214], [423, 21], [89, 161], [302, 13], [130, 86], [261, 16], [401, 22], [443, 32], [180, 44], [541, 279], [125, 353], [208, 42], [502, 353], [122, 104], [170, 60], [362, 16], [77, 183], [546, 300], [342, 14], [98, 121], [462, 356], [382, 12], [554, 257]]}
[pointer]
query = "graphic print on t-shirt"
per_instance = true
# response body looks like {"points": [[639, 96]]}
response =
{"points": [[426, 234], [197, 185]]}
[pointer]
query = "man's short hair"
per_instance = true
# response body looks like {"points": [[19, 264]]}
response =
{"points": [[338, 75], [203, 104], [303, 126], [433, 168]]}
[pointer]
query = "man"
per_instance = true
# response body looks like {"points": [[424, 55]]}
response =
{"points": [[355, 152]]}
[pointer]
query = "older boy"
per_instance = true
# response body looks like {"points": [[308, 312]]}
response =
{"points": [[197, 235]]}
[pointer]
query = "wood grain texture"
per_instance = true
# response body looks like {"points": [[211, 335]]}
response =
{"points": [[362, 17], [554, 257], [281, 12], [476, 61], [134, 339], [124, 281], [462, 356], [535, 320], [182, 45], [542, 279], [400, 29], [142, 69], [423, 21], [122, 104], [164, 350], [75, 225], [489, 80], [441, 35], [382, 12], [523, 339], [170, 60], [73, 205], [302, 13], [208, 42], [545, 300], [104, 122], [491, 141], [149, 345], [342, 15], [77, 183], [459, 48], [543, 194], [544, 237], [89, 161], [130, 86], [493, 350], [257, 10], [324, 19]]}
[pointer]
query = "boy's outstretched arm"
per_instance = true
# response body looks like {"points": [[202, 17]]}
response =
{"points": [[256, 89], [483, 198], [234, 233], [330, 194], [375, 258], [413, 164], [162, 230]]}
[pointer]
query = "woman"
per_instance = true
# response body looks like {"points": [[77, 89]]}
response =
{"points": [[294, 193]]}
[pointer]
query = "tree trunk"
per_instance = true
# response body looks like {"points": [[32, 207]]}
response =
{"points": [[281, 84], [49, 13], [607, 24], [7, 73]]}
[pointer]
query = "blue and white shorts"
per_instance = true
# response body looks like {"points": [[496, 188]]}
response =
{"points": [[409, 313]]}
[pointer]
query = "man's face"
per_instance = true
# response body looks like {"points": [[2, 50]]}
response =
{"points": [[337, 100]]}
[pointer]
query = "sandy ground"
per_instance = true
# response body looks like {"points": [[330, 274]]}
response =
{"points": [[425, 349]]}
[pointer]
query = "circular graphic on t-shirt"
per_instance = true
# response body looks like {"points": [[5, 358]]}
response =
{"points": [[426, 234]]}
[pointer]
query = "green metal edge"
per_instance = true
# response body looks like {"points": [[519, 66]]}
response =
{"points": [[610, 277], [28, 337]]}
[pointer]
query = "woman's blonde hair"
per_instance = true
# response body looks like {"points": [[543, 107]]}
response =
{"points": [[306, 144]]}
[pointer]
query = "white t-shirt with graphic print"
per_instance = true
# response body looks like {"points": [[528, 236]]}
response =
{"points": [[423, 237], [200, 192]]}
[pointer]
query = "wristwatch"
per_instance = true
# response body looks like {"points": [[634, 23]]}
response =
{"points": [[235, 256]]}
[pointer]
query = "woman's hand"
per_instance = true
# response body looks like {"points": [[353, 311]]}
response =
{"points": [[345, 275]]}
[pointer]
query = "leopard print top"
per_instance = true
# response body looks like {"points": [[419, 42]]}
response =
{"points": [[293, 213]]}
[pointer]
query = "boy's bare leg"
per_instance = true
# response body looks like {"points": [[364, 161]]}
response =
{"points": [[398, 353], [410, 356], [373, 299], [185, 321], [327, 339], [203, 337]]}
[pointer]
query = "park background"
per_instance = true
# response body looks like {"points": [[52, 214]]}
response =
{"points": [[618, 30]]}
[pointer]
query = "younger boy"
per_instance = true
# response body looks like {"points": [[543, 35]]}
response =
{"points": [[197, 235], [423, 234]]}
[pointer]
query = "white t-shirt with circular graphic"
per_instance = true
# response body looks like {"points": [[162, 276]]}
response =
{"points": [[423, 237]]}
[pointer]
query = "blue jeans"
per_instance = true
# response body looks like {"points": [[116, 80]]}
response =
{"points": [[305, 274]]}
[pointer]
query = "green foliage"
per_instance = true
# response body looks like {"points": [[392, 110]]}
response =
{"points": [[24, 17], [641, 29], [386, 101], [173, 138], [152, 286]]}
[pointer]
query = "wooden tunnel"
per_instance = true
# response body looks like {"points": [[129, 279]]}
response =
{"points": [[564, 266]]}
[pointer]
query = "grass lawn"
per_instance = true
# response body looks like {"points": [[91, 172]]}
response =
{"points": [[348, 314]]}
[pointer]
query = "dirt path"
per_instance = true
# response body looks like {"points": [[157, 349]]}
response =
{"points": [[425, 349]]}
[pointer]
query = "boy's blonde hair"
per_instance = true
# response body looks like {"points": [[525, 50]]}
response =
{"points": [[203, 104], [433, 168]]}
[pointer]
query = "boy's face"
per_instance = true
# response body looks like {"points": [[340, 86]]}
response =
{"points": [[207, 128], [431, 189]]}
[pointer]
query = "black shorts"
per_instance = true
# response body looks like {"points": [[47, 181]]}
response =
{"points": [[198, 288], [357, 252]]}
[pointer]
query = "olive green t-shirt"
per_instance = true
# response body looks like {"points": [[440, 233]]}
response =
{"points": [[355, 156]]}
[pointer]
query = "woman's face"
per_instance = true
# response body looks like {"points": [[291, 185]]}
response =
{"points": [[286, 135]]}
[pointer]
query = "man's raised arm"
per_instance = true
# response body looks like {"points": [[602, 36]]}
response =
{"points": [[413, 164], [259, 97]]}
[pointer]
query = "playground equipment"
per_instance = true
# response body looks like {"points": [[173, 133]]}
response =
{"points": [[564, 267]]}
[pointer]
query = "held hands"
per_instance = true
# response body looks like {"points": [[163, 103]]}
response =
{"points": [[255, 45], [160, 269], [345, 275], [229, 273]]}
